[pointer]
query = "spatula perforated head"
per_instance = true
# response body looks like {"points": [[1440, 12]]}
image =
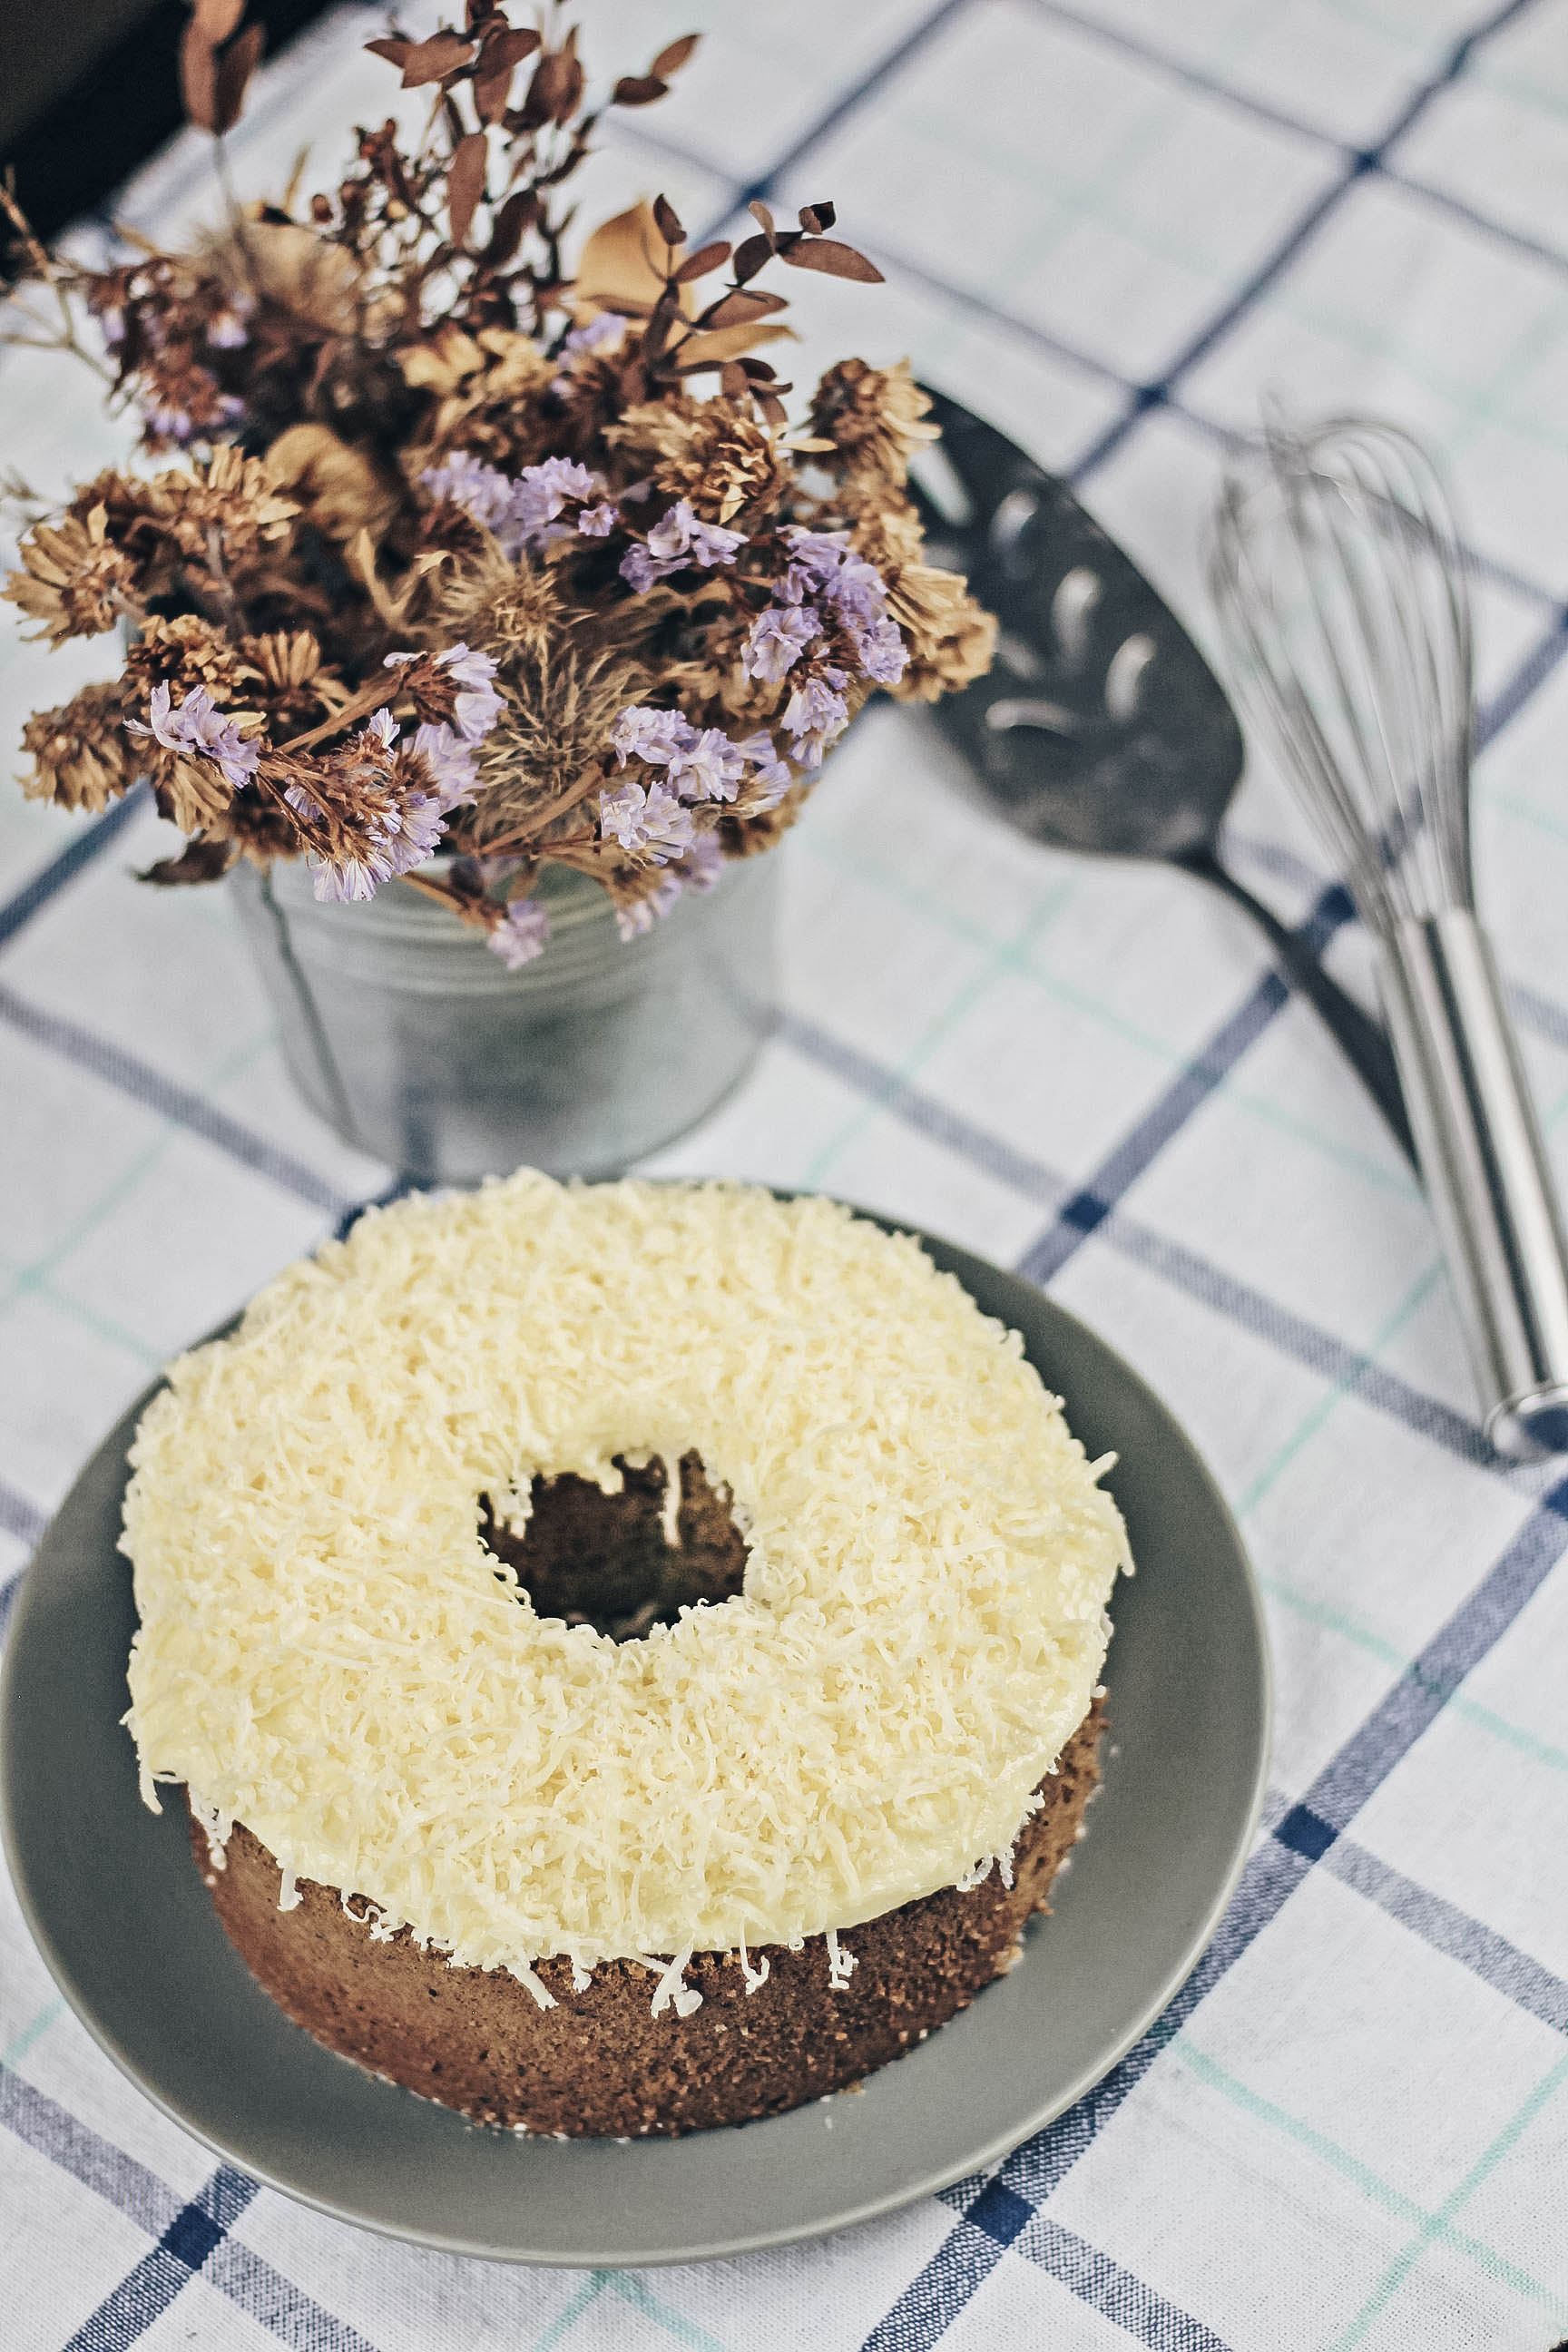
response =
{"points": [[1102, 726]]}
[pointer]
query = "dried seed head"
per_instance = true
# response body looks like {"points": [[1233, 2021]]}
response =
{"points": [[875, 417], [82, 756]]}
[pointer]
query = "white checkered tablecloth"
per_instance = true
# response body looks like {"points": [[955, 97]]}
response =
{"points": [[1108, 227]]}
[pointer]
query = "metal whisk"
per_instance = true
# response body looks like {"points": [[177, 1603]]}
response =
{"points": [[1339, 586]]}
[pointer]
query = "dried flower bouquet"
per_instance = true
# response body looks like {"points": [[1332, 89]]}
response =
{"points": [[450, 556]]}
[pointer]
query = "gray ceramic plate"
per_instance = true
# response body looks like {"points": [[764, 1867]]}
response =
{"points": [[126, 1926]]}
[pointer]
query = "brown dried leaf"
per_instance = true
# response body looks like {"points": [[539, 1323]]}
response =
{"points": [[637, 90], [490, 96], [733, 377], [666, 312], [199, 861], [498, 59], [556, 88], [466, 183], [772, 408], [215, 19], [432, 60], [667, 222], [393, 49], [832, 259], [235, 68], [751, 255], [198, 76], [818, 218], [338, 487], [740, 308], [670, 60], [708, 351], [617, 268], [519, 213], [760, 212], [304, 274], [505, 45], [706, 258]]}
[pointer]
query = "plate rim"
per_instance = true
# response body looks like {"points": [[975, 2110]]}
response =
{"points": [[922, 2182]]}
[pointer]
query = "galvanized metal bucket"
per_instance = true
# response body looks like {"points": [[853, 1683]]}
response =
{"points": [[415, 1043]]}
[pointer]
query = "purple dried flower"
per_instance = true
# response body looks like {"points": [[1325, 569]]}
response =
{"points": [[597, 522], [857, 591], [476, 705], [684, 535], [227, 331], [479, 704], [414, 833], [468, 482], [703, 863], [639, 570], [218, 412], [709, 768], [822, 564], [522, 512], [521, 933], [881, 651], [678, 541], [350, 881], [632, 921], [199, 730], [652, 821], [657, 736], [819, 553], [541, 493], [608, 328], [777, 639], [772, 777], [814, 716], [383, 726], [767, 788], [450, 762]]}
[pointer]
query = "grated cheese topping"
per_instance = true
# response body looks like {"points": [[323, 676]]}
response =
{"points": [[328, 1654]]}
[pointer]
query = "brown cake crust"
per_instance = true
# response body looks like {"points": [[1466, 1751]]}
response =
{"points": [[600, 2063]]}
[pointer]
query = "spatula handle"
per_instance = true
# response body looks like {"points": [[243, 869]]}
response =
{"points": [[1360, 1039]]}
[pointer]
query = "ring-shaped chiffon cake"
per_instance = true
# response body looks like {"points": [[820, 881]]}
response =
{"points": [[330, 1656]]}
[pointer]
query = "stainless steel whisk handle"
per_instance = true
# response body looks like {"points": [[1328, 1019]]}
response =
{"points": [[1485, 1166]]}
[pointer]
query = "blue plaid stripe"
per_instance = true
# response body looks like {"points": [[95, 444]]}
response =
{"points": [[1291, 1334], [1449, 1930], [1299, 1840], [146, 2293], [1362, 163], [1087, 1208], [18, 1517], [1115, 2293], [182, 1104], [52, 2131], [191, 2236], [90, 844], [852, 101]]}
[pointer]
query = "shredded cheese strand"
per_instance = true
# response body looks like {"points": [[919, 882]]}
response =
{"points": [[328, 1655]]}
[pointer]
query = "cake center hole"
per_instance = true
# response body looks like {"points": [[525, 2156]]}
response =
{"points": [[605, 1561]]}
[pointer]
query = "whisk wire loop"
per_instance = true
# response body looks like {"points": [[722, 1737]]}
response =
{"points": [[1339, 581], [1337, 569]]}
